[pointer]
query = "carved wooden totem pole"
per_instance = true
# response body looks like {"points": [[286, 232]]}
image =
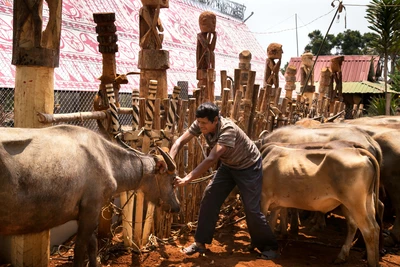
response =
{"points": [[35, 55], [271, 82], [205, 58], [107, 39], [271, 74], [336, 77], [324, 87], [242, 73], [153, 61], [307, 76]]}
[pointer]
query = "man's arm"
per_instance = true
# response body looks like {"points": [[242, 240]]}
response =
{"points": [[212, 158], [179, 143]]}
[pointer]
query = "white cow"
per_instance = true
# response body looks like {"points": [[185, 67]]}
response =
{"points": [[321, 178]]}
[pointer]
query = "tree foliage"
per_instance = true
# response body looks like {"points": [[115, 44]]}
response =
{"points": [[384, 19], [395, 80], [316, 39], [377, 105], [349, 42]]}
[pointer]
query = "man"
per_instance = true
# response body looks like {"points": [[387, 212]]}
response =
{"points": [[241, 165]]}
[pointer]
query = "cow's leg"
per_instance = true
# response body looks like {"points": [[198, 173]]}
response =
{"points": [[351, 231], [273, 217], [86, 238], [92, 250], [364, 216]]}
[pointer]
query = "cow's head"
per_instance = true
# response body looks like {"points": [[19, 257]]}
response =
{"points": [[163, 183]]}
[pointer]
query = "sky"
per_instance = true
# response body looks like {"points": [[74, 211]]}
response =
{"points": [[274, 21]]}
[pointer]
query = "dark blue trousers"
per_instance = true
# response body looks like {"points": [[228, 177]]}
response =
{"points": [[249, 182]]}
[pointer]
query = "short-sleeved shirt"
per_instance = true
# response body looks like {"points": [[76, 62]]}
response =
{"points": [[241, 151]]}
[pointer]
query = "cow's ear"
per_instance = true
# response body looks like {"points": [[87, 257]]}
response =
{"points": [[161, 166]]}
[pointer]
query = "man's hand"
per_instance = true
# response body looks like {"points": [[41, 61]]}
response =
{"points": [[181, 181]]}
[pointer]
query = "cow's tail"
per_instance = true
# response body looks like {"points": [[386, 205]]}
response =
{"points": [[378, 214], [376, 165]]}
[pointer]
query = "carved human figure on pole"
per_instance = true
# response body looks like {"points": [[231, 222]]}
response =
{"points": [[271, 75], [336, 69], [31, 46], [206, 41], [153, 61], [151, 29], [306, 70], [205, 59]]}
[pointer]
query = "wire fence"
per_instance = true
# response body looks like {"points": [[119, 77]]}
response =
{"points": [[82, 101], [64, 102]]}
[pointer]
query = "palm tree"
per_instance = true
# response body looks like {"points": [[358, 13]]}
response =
{"points": [[384, 19]]}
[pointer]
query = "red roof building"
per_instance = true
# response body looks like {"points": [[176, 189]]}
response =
{"points": [[354, 68]]}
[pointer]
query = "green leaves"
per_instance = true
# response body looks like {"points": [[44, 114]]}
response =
{"points": [[377, 105]]}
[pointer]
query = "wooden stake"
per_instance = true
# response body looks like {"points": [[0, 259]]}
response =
{"points": [[147, 138]]}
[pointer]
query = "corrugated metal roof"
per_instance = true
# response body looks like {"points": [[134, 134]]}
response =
{"points": [[364, 87], [354, 68]]}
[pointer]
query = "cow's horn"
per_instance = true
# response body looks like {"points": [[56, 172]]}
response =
{"points": [[170, 162], [334, 117], [319, 118]]}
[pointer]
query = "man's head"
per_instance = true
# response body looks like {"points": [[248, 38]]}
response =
{"points": [[207, 115]]}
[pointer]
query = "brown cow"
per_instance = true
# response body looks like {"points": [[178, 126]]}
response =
{"points": [[53, 175], [301, 135], [322, 180]]}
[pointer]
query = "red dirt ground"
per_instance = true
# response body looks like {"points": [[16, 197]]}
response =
{"points": [[316, 249]]}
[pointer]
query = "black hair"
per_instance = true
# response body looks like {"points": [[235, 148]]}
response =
{"points": [[207, 110]]}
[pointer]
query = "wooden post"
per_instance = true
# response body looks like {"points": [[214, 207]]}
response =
{"points": [[236, 106], [147, 138], [171, 116], [248, 102], [127, 198], [153, 62], [252, 127], [180, 159], [224, 79], [236, 85], [35, 55], [245, 68], [205, 58], [224, 105], [191, 163]]}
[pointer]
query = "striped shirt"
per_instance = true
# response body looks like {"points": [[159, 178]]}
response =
{"points": [[241, 151]]}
